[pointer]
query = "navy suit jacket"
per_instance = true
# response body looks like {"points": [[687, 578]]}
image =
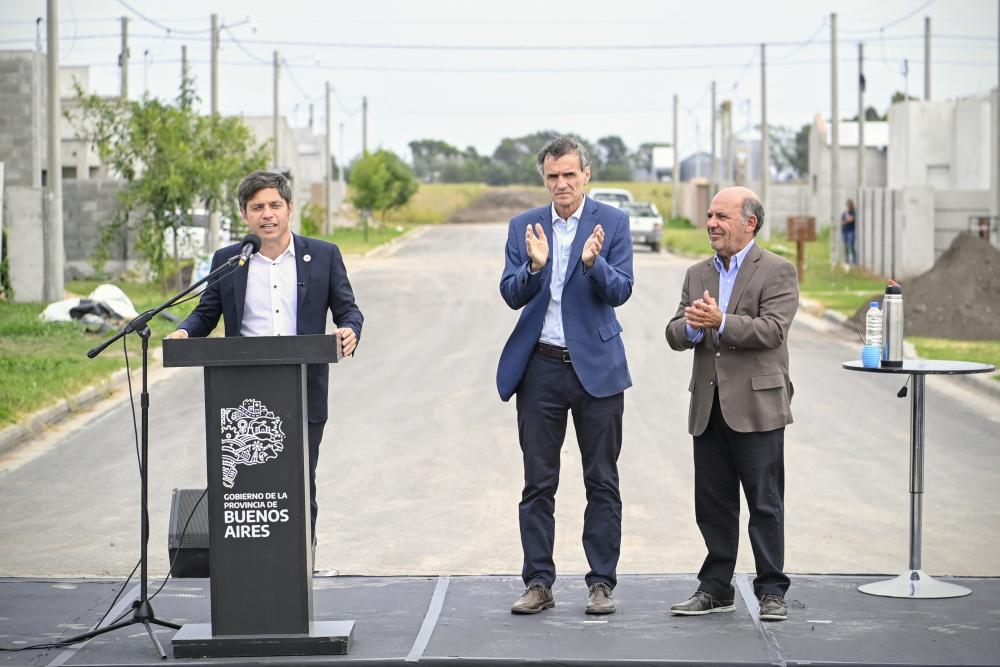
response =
{"points": [[322, 287], [588, 300]]}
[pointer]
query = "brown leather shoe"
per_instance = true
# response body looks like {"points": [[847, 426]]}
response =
{"points": [[702, 603], [536, 598], [599, 600]]}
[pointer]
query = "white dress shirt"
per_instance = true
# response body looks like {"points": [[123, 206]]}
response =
{"points": [[563, 233], [271, 305]]}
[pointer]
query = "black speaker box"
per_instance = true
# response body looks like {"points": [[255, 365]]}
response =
{"points": [[188, 548]]}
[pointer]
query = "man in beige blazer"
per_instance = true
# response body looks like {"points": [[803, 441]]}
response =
{"points": [[735, 311]]}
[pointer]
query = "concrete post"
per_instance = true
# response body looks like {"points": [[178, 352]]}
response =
{"points": [[213, 237], [927, 58], [327, 168], [675, 175], [123, 58], [54, 254], [765, 175], [835, 240], [364, 126], [861, 117], [713, 182], [274, 128]]}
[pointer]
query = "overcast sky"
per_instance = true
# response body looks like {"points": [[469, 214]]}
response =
{"points": [[470, 72]]}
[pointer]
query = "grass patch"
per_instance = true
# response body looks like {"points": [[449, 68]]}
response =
{"points": [[42, 362], [983, 351], [434, 203], [351, 240]]}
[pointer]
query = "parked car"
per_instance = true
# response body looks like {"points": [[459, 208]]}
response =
{"points": [[613, 196], [646, 224], [191, 233]]}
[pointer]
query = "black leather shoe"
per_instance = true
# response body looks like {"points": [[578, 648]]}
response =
{"points": [[773, 608], [536, 598], [702, 603], [599, 600]]}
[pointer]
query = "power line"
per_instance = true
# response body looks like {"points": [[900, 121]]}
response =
{"points": [[892, 22], [160, 25]]}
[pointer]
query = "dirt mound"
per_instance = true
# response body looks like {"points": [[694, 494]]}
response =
{"points": [[958, 298], [500, 205]]}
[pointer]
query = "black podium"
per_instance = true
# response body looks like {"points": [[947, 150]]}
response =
{"points": [[258, 497]]}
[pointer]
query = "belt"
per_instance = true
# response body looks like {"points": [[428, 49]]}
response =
{"points": [[552, 351]]}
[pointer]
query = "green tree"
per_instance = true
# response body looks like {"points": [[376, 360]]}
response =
{"points": [[381, 181], [171, 160]]}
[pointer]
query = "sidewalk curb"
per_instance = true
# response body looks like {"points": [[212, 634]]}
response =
{"points": [[983, 382], [390, 246], [35, 424]]}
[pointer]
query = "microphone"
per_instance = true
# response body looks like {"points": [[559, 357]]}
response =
{"points": [[251, 245]]}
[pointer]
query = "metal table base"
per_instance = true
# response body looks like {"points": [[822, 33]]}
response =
{"points": [[915, 583]]}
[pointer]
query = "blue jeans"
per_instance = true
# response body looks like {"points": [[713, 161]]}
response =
{"points": [[850, 254]]}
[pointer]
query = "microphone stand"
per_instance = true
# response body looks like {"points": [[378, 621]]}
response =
{"points": [[143, 613]]}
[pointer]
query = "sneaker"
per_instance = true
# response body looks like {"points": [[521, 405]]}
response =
{"points": [[702, 603], [599, 600], [773, 608], [536, 598]]}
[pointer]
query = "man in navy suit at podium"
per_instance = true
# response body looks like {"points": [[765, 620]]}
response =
{"points": [[286, 289], [568, 265]]}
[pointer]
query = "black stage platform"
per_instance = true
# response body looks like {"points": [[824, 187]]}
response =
{"points": [[466, 621]]}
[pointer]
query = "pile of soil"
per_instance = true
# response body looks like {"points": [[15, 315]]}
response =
{"points": [[500, 205], [958, 298]]}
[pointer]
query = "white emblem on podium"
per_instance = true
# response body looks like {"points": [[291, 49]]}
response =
{"points": [[251, 435]]}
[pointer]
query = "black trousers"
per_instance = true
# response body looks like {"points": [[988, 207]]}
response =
{"points": [[723, 458], [315, 437], [548, 390]]}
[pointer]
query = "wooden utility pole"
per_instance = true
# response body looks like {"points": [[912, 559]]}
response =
{"points": [[835, 240], [53, 230]]}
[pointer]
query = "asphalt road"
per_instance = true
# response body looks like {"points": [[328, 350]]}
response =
{"points": [[420, 469]]}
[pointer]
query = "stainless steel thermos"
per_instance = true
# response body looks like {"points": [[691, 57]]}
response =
{"points": [[892, 326]]}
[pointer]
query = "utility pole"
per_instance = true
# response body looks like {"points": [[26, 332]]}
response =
{"points": [[364, 126], [54, 255], [927, 58], [834, 148], [343, 160], [328, 168], [712, 179], [727, 129], [765, 174], [675, 175], [123, 58], [861, 119], [184, 67], [212, 240], [274, 129]]}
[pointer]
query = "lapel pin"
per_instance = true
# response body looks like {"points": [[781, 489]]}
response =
{"points": [[307, 258]]}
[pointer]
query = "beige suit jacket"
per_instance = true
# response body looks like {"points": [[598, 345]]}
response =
{"points": [[750, 360]]}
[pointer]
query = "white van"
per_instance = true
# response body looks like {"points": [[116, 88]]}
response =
{"points": [[613, 196]]}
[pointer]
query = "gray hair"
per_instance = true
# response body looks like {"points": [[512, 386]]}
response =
{"points": [[262, 180], [752, 206], [560, 146]]}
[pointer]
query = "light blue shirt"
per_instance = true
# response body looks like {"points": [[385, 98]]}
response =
{"points": [[726, 281], [563, 233]]}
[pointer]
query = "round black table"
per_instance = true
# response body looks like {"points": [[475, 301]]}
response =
{"points": [[915, 583]]}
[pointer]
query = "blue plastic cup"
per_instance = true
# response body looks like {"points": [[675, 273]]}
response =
{"points": [[871, 355]]}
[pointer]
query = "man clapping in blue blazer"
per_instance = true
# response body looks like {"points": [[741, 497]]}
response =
{"points": [[568, 265]]}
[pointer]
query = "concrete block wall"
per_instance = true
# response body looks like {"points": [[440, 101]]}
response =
{"points": [[23, 214], [89, 206], [22, 117]]}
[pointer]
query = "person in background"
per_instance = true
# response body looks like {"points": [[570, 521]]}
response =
{"points": [[847, 229]]}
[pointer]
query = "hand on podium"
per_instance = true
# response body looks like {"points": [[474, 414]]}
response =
{"points": [[179, 333], [348, 340]]}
